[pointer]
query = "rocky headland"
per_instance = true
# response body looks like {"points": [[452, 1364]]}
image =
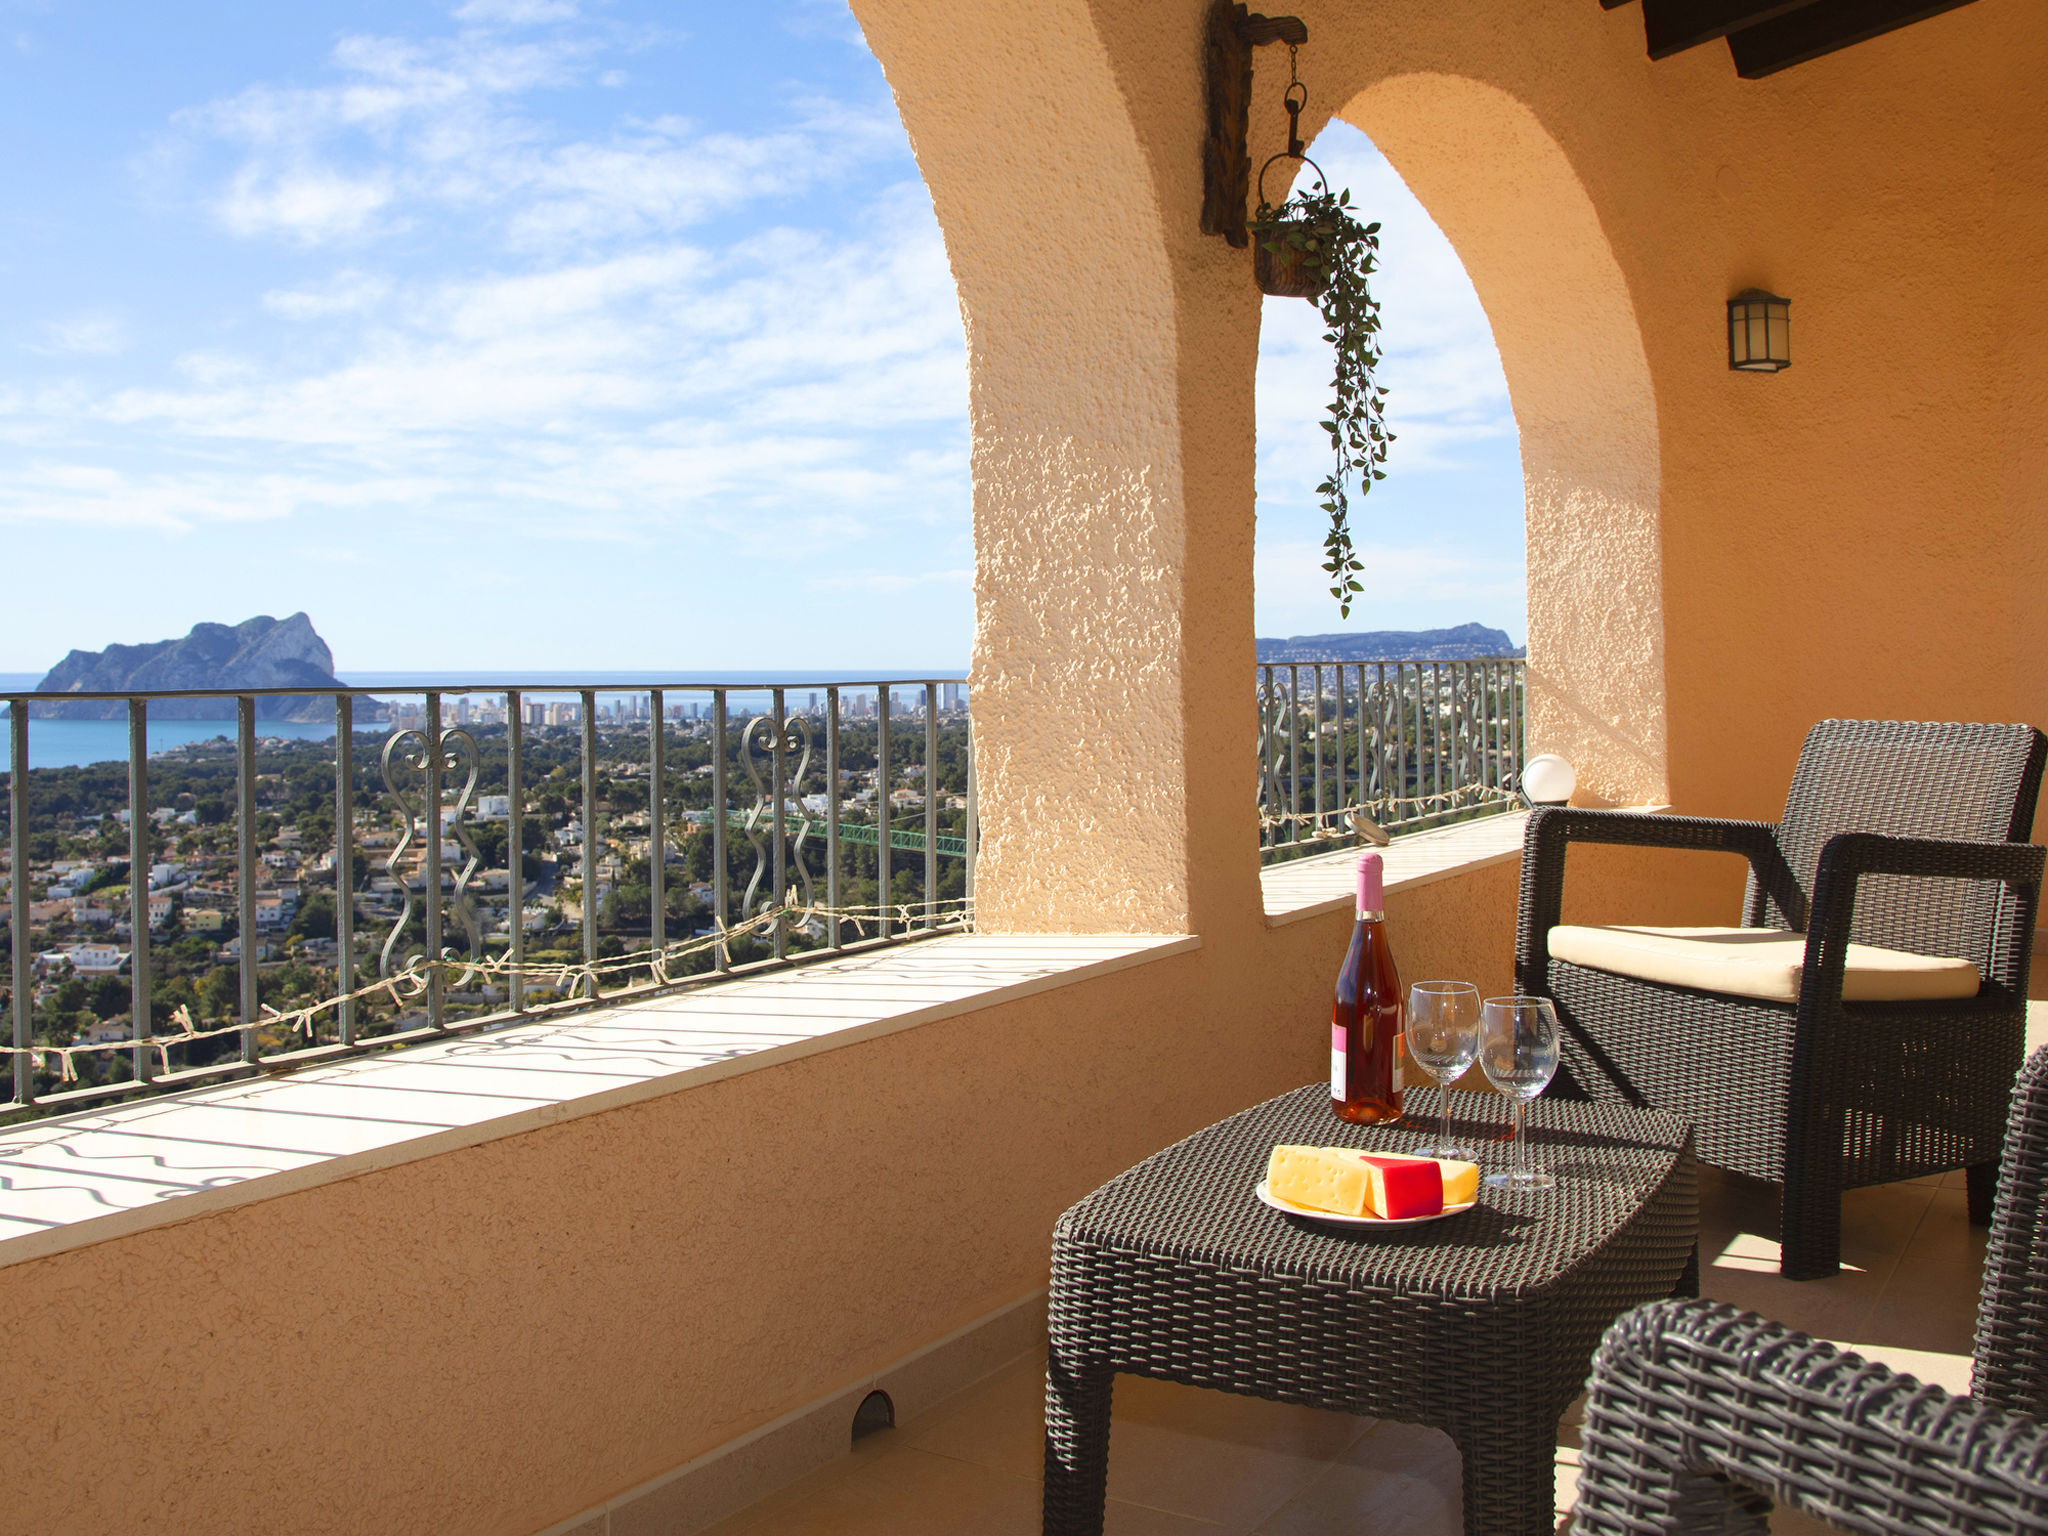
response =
{"points": [[1459, 644], [259, 653]]}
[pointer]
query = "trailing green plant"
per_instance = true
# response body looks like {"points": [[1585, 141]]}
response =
{"points": [[1312, 247]]}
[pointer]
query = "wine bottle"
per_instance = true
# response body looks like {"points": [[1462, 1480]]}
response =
{"points": [[1366, 1015]]}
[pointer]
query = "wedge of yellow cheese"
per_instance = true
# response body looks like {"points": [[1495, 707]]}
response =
{"points": [[1339, 1180], [1320, 1179]]}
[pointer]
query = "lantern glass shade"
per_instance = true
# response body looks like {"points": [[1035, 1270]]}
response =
{"points": [[1759, 332], [1548, 780]]}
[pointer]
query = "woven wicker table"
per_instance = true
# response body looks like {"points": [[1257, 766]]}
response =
{"points": [[1482, 1324]]}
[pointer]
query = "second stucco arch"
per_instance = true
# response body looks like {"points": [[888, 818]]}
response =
{"points": [[1509, 200]]}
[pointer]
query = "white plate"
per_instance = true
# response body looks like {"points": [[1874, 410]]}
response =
{"points": [[1267, 1197]]}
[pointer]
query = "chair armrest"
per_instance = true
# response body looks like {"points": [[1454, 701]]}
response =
{"points": [[1847, 857], [2012, 1318], [1696, 1409], [1552, 829]]}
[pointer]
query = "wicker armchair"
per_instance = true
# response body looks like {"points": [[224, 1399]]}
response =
{"points": [[1700, 1416], [1907, 836]]}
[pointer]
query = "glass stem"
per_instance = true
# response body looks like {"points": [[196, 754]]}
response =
{"points": [[1443, 1140], [1521, 1138]]}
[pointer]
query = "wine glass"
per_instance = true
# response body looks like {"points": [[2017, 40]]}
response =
{"points": [[1443, 1039], [1518, 1052]]}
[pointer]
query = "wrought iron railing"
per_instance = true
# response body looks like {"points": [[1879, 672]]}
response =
{"points": [[793, 813], [1408, 744]]}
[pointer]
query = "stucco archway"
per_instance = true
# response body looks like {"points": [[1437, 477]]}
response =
{"points": [[1507, 197], [1112, 354]]}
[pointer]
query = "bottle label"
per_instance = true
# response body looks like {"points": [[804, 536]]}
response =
{"points": [[1339, 1085]]}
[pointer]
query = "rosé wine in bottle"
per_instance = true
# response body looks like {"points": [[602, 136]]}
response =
{"points": [[1367, 1014]]}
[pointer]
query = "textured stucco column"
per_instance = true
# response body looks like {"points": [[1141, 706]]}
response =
{"points": [[1112, 603]]}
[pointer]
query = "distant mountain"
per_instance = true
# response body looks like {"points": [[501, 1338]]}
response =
{"points": [[260, 653], [1467, 640]]}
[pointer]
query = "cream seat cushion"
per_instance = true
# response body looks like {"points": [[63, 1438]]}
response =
{"points": [[1758, 962]]}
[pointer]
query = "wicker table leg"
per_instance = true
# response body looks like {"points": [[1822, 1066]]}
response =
{"points": [[1689, 1277], [1510, 1475], [1077, 1401]]}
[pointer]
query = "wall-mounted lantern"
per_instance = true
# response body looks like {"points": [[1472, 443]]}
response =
{"points": [[1759, 332]]}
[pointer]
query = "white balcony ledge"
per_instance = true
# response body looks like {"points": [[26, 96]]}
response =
{"points": [[1325, 883], [82, 1179]]}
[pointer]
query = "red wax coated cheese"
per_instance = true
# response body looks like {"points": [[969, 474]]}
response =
{"points": [[1404, 1186]]}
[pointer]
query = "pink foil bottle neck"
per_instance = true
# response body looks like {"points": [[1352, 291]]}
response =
{"points": [[1371, 884]]}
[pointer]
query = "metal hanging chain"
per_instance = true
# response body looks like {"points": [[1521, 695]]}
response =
{"points": [[1295, 148]]}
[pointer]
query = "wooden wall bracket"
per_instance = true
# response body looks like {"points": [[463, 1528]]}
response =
{"points": [[1230, 34]]}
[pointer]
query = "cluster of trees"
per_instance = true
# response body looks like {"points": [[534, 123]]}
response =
{"points": [[72, 814]]}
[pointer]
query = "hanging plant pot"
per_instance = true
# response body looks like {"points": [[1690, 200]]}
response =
{"points": [[1291, 248], [1290, 257]]}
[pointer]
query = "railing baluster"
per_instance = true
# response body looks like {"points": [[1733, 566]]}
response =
{"points": [[721, 903], [832, 815], [245, 867], [17, 866], [657, 842], [778, 778], [515, 844], [138, 885], [345, 866], [882, 817], [931, 805], [589, 860], [1293, 754], [973, 824], [437, 1001], [1436, 734], [1263, 695], [1315, 725], [1521, 717]]}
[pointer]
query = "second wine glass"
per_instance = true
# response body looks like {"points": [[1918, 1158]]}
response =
{"points": [[1518, 1050], [1443, 1039]]}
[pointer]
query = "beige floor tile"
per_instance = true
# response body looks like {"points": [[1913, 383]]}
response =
{"points": [[1121, 1519], [1738, 1247], [1398, 1480], [1218, 1457], [894, 1490], [1930, 1300], [997, 1423]]}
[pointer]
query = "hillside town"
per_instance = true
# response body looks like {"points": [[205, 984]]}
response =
{"points": [[84, 899]]}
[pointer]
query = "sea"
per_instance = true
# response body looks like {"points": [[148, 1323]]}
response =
{"points": [[75, 743]]}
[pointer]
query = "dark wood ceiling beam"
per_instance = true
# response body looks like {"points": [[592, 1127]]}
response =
{"points": [[1822, 27], [1672, 26]]}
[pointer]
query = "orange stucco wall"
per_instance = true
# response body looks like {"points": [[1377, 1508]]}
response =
{"points": [[493, 1339]]}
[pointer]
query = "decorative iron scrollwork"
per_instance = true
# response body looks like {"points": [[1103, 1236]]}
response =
{"points": [[459, 753], [759, 741]]}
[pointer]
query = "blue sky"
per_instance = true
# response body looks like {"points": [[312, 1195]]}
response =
{"points": [[557, 335]]}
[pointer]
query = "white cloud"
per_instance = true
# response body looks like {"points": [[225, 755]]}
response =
{"points": [[308, 204], [347, 292], [516, 13], [99, 334]]}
